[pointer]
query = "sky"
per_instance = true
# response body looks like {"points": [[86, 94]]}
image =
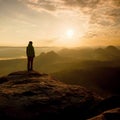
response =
{"points": [[64, 23]]}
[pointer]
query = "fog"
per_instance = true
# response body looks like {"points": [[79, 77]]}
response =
{"points": [[95, 68]]}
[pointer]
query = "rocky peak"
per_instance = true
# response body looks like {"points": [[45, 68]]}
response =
{"points": [[33, 95]]}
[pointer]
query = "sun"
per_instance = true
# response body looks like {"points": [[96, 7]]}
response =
{"points": [[70, 33]]}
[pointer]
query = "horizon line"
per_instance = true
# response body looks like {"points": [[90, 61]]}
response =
{"points": [[58, 46]]}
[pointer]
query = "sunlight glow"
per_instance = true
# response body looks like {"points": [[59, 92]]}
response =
{"points": [[70, 33]]}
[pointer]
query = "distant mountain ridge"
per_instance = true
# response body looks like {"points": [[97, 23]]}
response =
{"points": [[110, 52], [49, 56]]}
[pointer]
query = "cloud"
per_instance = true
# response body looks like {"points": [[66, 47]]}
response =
{"points": [[82, 3], [100, 11], [103, 12], [39, 5], [47, 4], [117, 2], [115, 15], [59, 5], [107, 13]]}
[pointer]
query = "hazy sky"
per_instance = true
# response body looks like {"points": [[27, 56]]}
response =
{"points": [[60, 22]]}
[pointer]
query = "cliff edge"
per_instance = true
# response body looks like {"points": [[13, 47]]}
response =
{"points": [[33, 95]]}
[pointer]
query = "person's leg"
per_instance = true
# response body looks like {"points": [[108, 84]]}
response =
{"points": [[31, 63], [28, 64]]}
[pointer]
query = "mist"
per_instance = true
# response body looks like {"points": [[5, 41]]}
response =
{"points": [[95, 68]]}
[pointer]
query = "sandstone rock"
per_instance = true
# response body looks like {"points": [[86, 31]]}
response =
{"points": [[33, 95]]}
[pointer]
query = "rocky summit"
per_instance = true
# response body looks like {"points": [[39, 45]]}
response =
{"points": [[32, 95]]}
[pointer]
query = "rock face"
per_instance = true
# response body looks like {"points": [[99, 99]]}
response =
{"points": [[31, 95], [113, 114]]}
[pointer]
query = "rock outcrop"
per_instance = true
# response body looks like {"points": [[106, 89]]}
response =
{"points": [[112, 114], [36, 96]]}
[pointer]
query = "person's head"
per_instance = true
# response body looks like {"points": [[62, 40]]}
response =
{"points": [[30, 42]]}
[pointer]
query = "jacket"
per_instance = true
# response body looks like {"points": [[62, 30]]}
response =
{"points": [[30, 51]]}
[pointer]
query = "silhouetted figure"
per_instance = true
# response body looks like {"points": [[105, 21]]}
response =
{"points": [[30, 56]]}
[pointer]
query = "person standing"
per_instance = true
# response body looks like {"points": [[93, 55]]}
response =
{"points": [[30, 56]]}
